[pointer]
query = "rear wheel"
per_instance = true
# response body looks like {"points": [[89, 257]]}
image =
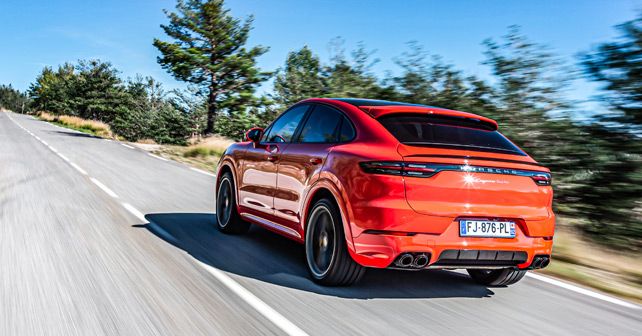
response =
{"points": [[227, 216], [327, 255], [499, 277]]}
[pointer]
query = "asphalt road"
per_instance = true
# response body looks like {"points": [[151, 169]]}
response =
{"points": [[99, 238]]}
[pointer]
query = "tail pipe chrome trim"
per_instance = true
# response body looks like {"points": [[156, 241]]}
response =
{"points": [[405, 260], [421, 260], [540, 261]]}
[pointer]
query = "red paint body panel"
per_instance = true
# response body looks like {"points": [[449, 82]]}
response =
{"points": [[276, 193]]}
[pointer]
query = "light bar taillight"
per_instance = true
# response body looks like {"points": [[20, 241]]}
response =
{"points": [[420, 169], [398, 168], [542, 179]]}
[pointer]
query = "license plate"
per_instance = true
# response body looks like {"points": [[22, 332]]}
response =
{"points": [[479, 228]]}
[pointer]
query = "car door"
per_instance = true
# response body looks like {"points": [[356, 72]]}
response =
{"points": [[258, 173], [301, 162]]}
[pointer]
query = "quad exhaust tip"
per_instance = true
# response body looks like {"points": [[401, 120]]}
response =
{"points": [[410, 260]]}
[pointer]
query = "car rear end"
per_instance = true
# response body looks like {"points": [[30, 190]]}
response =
{"points": [[471, 198]]}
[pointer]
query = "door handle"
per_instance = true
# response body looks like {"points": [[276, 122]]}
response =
{"points": [[272, 158], [315, 161]]}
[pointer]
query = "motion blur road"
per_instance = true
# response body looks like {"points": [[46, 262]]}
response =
{"points": [[100, 238]]}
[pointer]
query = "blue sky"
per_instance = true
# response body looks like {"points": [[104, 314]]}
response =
{"points": [[37, 33]]}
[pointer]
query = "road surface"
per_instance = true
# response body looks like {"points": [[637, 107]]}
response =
{"points": [[99, 238]]}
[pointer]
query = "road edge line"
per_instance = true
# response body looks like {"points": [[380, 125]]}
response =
{"points": [[201, 171], [259, 305], [580, 290]]}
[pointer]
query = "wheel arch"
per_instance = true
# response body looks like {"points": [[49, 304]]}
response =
{"points": [[226, 165], [324, 188]]}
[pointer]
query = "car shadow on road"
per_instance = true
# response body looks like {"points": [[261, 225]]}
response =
{"points": [[77, 134], [268, 257]]}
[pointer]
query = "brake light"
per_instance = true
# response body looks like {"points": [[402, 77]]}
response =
{"points": [[542, 179], [399, 168], [420, 169]]}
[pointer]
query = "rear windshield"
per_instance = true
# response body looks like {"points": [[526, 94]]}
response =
{"points": [[446, 132]]}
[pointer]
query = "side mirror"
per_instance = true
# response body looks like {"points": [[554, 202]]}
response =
{"points": [[254, 134]]}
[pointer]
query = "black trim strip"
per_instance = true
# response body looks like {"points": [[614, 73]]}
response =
{"points": [[474, 158]]}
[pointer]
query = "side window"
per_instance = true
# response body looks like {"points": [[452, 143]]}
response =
{"points": [[347, 132], [322, 125], [284, 127]]}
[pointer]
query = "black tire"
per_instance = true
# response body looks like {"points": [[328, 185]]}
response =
{"points": [[228, 219], [326, 253], [499, 277]]}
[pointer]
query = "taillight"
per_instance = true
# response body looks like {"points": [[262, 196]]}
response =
{"points": [[399, 168], [420, 169], [542, 179]]}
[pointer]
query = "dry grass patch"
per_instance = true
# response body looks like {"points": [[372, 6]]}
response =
{"points": [[93, 127], [202, 153], [587, 263], [211, 146]]}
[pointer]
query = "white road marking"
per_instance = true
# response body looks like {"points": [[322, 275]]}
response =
{"points": [[201, 171], [581, 290], [256, 303], [103, 187], [63, 157], [73, 165], [157, 157], [126, 145], [108, 140], [76, 167], [134, 211]]}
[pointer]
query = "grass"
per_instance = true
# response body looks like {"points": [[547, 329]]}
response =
{"points": [[202, 153], [92, 127], [584, 262]]}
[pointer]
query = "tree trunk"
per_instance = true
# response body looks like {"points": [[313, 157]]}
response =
{"points": [[211, 112]]}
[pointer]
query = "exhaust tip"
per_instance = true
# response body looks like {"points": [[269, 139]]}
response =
{"points": [[421, 261], [537, 262], [540, 261], [545, 262], [405, 260]]}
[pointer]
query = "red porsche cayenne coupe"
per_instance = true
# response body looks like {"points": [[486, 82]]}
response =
{"points": [[370, 183]]}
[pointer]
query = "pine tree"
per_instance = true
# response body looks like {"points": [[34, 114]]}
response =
{"points": [[351, 77], [53, 90], [13, 99], [618, 66], [614, 197], [300, 78], [208, 50], [98, 93]]}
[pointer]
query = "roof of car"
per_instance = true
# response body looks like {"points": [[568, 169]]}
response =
{"points": [[378, 108], [358, 102]]}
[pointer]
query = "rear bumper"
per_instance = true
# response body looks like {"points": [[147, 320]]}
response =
{"points": [[379, 250]]}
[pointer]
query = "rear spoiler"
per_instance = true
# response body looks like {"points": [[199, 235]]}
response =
{"points": [[380, 111]]}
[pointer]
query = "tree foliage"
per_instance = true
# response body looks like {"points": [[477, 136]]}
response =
{"points": [[613, 198], [300, 78], [617, 66], [135, 109], [12, 99], [208, 50]]}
